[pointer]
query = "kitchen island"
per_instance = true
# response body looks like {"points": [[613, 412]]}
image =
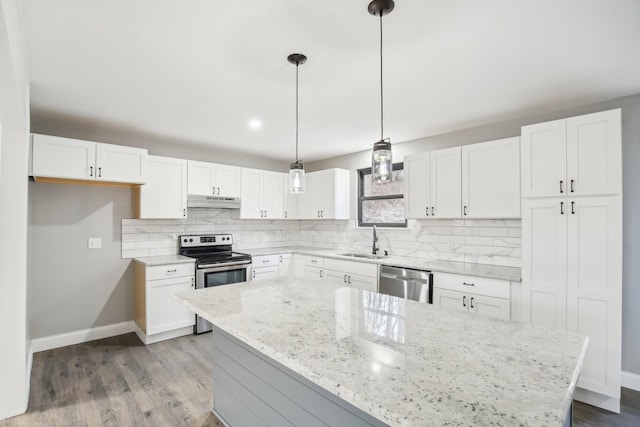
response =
{"points": [[289, 351]]}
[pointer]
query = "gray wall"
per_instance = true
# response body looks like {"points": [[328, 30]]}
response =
{"points": [[71, 287], [631, 193]]}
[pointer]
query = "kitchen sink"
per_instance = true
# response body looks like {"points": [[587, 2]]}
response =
{"points": [[361, 255]]}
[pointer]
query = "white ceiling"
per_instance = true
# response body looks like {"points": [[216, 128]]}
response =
{"points": [[200, 70]]}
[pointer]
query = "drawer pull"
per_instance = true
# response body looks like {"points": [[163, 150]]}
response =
{"points": [[265, 260], [172, 271], [468, 284]]}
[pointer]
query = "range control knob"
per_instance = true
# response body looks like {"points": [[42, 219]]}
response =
{"points": [[190, 240], [185, 240]]}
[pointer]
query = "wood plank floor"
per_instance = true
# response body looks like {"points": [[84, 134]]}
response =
{"points": [[119, 381]]}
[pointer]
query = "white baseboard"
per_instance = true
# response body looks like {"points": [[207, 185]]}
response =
{"points": [[162, 336], [598, 400], [84, 335], [631, 380]]}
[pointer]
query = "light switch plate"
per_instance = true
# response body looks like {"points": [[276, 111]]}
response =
{"points": [[95, 242]]}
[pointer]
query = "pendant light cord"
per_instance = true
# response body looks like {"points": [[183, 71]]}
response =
{"points": [[381, 89], [297, 66]]}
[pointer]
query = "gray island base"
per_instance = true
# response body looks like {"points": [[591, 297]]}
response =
{"points": [[289, 351]]}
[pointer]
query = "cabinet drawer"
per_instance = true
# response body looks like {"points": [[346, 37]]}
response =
{"points": [[264, 260], [477, 285], [314, 261], [170, 270], [351, 267]]}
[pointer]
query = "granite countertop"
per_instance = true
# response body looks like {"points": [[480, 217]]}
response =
{"points": [[163, 260], [403, 362], [512, 274]]}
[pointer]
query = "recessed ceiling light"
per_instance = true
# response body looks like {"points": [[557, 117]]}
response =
{"points": [[255, 124]]}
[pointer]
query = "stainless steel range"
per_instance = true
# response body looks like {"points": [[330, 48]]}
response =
{"points": [[216, 264]]}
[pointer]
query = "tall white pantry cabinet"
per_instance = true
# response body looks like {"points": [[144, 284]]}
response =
{"points": [[572, 241]]}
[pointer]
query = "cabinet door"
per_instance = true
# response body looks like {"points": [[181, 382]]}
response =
{"points": [[544, 262], [163, 312], [250, 204], [450, 299], [165, 193], [314, 273], [333, 277], [227, 181], [364, 283], [489, 306], [544, 159], [594, 154], [320, 186], [56, 157], [417, 186], [299, 265], [117, 163], [594, 288], [491, 179], [271, 195], [201, 177], [445, 183], [263, 273], [285, 265], [290, 200]]}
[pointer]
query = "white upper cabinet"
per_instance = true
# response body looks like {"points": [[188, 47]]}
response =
{"points": [[326, 196], [165, 193], [290, 200], [445, 183], [491, 179], [66, 158], [211, 179], [572, 157], [417, 185], [261, 194], [432, 184]]}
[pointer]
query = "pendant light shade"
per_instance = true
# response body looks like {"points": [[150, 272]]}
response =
{"points": [[296, 169], [381, 158]]}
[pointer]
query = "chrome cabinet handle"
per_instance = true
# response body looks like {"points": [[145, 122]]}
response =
{"points": [[573, 212], [213, 190], [265, 214], [471, 302], [432, 211], [464, 301], [322, 214], [218, 191], [90, 170], [184, 212], [561, 190], [349, 279], [572, 185], [261, 214], [426, 210], [345, 279], [465, 210], [100, 172], [468, 284], [561, 208]]}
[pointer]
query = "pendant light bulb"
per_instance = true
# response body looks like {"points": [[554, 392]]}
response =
{"points": [[381, 158], [296, 169]]}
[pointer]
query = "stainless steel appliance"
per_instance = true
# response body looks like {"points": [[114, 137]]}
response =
{"points": [[407, 283], [216, 264]]}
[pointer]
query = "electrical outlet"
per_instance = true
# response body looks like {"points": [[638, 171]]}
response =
{"points": [[95, 242]]}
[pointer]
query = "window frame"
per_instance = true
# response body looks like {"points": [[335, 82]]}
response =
{"points": [[362, 198]]}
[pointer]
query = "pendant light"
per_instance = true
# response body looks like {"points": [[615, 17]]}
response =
{"points": [[381, 161], [296, 169]]}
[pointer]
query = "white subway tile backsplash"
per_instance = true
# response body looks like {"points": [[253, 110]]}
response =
{"points": [[495, 242]]}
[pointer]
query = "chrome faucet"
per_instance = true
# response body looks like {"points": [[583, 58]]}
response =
{"points": [[375, 249]]}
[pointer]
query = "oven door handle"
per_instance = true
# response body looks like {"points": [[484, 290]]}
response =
{"points": [[223, 264]]}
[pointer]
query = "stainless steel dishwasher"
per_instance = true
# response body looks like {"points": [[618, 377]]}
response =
{"points": [[407, 283]]}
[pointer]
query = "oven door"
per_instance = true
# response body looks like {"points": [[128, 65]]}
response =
{"points": [[219, 275]]}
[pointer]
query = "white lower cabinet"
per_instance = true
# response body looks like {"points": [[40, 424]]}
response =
{"points": [[488, 297], [285, 265], [264, 267], [157, 315], [359, 275]]}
